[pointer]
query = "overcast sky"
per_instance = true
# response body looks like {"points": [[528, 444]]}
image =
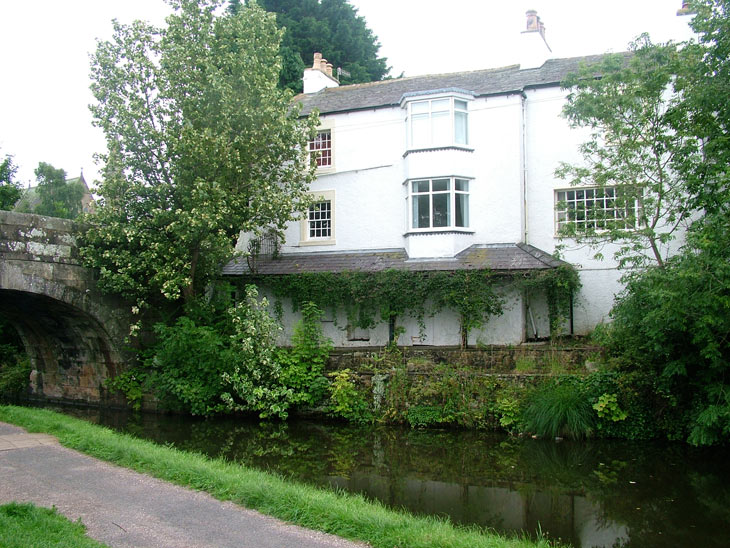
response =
{"points": [[45, 46]]}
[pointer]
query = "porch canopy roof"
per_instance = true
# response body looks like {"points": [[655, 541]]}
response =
{"points": [[501, 258]]}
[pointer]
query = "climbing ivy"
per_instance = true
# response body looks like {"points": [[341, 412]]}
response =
{"points": [[369, 298]]}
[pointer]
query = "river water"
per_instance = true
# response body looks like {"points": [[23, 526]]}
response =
{"points": [[592, 493]]}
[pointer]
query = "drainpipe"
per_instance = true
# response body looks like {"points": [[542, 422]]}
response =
{"points": [[523, 190], [523, 164]]}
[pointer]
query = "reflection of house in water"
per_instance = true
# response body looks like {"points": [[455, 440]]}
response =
{"points": [[509, 508]]}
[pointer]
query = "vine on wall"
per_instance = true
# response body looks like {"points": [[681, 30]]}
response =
{"points": [[369, 298]]}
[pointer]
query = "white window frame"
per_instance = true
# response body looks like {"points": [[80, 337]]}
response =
{"points": [[429, 110], [306, 223], [593, 209], [416, 190]]}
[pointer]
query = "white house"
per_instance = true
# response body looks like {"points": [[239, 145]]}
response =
{"points": [[445, 172]]}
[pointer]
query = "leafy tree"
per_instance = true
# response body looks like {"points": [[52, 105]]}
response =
{"points": [[704, 112], [671, 322], [58, 198], [9, 188], [201, 145], [331, 27], [630, 155]]}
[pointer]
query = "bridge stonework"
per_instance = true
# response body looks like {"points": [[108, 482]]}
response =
{"points": [[73, 334]]}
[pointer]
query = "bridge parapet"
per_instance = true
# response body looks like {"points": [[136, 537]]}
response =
{"points": [[28, 237]]}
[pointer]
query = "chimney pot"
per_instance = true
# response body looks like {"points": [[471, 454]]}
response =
{"points": [[328, 69], [533, 21], [317, 60]]}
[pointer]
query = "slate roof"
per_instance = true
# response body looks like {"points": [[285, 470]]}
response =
{"points": [[480, 83], [503, 258]]}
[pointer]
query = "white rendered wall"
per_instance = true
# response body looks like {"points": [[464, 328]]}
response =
{"points": [[372, 165]]}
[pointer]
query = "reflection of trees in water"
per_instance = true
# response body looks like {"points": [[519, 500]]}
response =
{"points": [[665, 494]]}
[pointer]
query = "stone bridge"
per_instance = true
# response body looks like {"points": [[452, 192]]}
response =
{"points": [[72, 333]]}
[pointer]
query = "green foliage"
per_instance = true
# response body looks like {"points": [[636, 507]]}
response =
{"points": [[662, 125], [346, 400], [254, 382], [331, 27], [14, 375], [559, 408], [302, 365], [633, 146], [9, 188], [189, 362], [704, 113], [672, 324], [201, 145], [58, 198], [607, 408], [371, 297], [15, 366], [508, 408], [24, 525], [216, 358]]}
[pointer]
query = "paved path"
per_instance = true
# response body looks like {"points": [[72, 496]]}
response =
{"points": [[123, 508]]}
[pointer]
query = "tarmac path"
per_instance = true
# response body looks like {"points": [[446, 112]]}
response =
{"points": [[123, 508]]}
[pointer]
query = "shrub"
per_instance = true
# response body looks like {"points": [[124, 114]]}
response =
{"points": [[559, 408], [346, 400], [302, 365], [14, 376]]}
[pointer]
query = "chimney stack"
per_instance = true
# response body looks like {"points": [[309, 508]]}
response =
{"points": [[534, 49], [319, 76]]}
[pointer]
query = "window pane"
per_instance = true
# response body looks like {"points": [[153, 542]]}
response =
{"points": [[420, 211], [441, 128], [419, 107], [420, 130], [420, 186], [462, 210], [440, 185], [462, 185], [441, 210], [459, 105], [441, 105], [460, 128]]}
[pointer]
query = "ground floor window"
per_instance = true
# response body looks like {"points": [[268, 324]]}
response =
{"points": [[319, 220]]}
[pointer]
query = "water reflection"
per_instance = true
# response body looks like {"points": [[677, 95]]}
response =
{"points": [[594, 493]]}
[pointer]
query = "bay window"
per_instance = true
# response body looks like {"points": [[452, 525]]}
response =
{"points": [[438, 122], [439, 203]]}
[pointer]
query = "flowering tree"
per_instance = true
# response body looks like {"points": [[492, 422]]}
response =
{"points": [[201, 145]]}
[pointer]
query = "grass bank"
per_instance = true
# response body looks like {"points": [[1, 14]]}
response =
{"points": [[28, 526], [346, 515]]}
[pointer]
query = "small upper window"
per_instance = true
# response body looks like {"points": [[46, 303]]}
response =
{"points": [[595, 209], [320, 149], [438, 122]]}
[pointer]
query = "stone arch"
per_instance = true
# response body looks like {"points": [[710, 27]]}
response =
{"points": [[74, 335], [71, 353]]}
